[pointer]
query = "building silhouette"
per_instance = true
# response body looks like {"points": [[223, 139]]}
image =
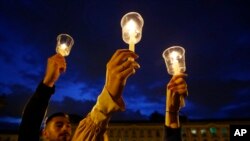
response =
{"points": [[193, 130]]}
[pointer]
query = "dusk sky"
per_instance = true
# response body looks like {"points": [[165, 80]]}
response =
{"points": [[215, 35]]}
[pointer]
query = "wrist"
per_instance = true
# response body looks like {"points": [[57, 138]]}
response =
{"points": [[172, 112], [47, 83], [172, 119], [114, 93]]}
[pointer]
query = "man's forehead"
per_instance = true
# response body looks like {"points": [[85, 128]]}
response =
{"points": [[59, 114], [60, 119]]}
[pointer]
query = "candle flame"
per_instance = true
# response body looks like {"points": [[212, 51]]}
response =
{"points": [[174, 56], [131, 28], [63, 46], [131, 25]]}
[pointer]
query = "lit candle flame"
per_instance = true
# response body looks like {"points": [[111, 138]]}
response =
{"points": [[63, 46], [132, 24], [63, 49], [174, 57], [131, 27]]}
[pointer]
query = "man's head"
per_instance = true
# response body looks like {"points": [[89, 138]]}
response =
{"points": [[57, 128]]}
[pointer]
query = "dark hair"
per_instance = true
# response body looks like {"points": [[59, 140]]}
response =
{"points": [[59, 114]]}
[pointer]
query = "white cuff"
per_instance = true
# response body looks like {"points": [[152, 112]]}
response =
{"points": [[104, 108]]}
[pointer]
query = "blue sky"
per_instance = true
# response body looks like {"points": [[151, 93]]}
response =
{"points": [[215, 34]]}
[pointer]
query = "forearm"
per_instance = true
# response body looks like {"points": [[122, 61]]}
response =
{"points": [[172, 134], [172, 119], [172, 124]]}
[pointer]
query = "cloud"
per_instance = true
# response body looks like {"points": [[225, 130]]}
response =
{"points": [[15, 100], [129, 115], [71, 106], [216, 43], [76, 90]]}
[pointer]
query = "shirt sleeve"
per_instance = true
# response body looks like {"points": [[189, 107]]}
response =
{"points": [[172, 134], [34, 112], [93, 127]]}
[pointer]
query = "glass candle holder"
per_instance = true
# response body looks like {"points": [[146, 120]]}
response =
{"points": [[132, 24], [64, 44], [175, 60]]}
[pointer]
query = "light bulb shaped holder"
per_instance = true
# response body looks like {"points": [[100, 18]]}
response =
{"points": [[132, 24]]}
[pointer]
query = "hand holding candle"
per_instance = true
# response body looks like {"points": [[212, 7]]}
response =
{"points": [[64, 44], [175, 62], [132, 24]]}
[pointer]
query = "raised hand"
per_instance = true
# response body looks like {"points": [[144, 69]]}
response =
{"points": [[118, 70], [55, 66]]}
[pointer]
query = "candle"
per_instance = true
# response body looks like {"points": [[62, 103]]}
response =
{"points": [[63, 49], [175, 62], [64, 44], [131, 24], [131, 29]]}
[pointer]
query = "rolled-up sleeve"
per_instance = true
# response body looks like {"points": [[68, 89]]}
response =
{"points": [[172, 134], [93, 127]]}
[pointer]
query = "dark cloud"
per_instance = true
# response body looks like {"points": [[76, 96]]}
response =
{"points": [[129, 115], [214, 33], [15, 100], [4, 55], [31, 76], [82, 108], [214, 96], [71, 106]]}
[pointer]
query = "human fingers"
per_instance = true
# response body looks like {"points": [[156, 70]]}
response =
{"points": [[177, 86], [181, 83], [181, 75], [123, 56], [126, 73], [62, 68], [122, 69], [59, 58], [179, 89], [176, 80], [131, 69], [127, 64], [117, 53], [60, 62]]}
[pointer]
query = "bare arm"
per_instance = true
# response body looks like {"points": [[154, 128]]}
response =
{"points": [[176, 92]]}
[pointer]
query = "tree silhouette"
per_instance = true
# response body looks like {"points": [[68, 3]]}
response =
{"points": [[157, 117]]}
